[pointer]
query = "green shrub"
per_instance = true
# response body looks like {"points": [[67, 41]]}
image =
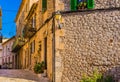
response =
{"points": [[109, 79], [97, 77], [39, 67]]}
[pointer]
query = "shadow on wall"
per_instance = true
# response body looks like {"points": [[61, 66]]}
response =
{"points": [[114, 72]]}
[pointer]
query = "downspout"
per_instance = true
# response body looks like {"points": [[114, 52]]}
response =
{"points": [[53, 44], [53, 62]]}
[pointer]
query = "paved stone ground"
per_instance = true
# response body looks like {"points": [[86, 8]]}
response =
{"points": [[7, 75]]}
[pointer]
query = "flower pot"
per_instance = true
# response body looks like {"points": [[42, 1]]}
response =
{"points": [[45, 73], [39, 75]]}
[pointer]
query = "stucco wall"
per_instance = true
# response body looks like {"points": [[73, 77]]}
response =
{"points": [[92, 40], [6, 53], [1, 57]]}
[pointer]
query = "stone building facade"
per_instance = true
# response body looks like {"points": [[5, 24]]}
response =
{"points": [[77, 43], [1, 49], [35, 35], [23, 58], [91, 41]]}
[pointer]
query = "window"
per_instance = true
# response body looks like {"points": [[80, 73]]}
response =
{"points": [[81, 4], [3, 51], [32, 47], [44, 5], [5, 60], [8, 59], [45, 52], [2, 61], [26, 9], [34, 21], [6, 50]]}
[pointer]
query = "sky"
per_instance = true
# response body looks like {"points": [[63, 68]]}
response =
{"points": [[9, 11]]}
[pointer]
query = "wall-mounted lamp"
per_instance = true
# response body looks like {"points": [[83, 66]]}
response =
{"points": [[58, 17], [21, 39]]}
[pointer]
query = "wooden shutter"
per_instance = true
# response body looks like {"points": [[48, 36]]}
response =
{"points": [[73, 4], [44, 5], [90, 4]]}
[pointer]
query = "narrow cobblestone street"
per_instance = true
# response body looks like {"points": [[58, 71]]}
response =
{"points": [[7, 75]]}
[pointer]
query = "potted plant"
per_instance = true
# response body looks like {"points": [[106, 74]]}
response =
{"points": [[39, 68], [81, 5]]}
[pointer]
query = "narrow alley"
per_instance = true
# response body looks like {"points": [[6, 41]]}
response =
{"points": [[7, 75]]}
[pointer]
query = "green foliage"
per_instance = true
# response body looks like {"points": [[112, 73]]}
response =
{"points": [[39, 67], [109, 79], [97, 77], [82, 5]]}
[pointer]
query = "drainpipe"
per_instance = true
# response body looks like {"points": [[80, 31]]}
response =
{"points": [[53, 57], [53, 44]]}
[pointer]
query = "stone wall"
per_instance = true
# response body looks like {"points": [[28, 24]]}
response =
{"points": [[106, 3], [98, 4], [92, 41]]}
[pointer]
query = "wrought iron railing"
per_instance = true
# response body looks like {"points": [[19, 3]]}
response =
{"points": [[28, 31], [18, 43]]}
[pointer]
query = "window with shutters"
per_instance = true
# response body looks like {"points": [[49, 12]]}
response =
{"points": [[81, 4], [44, 5]]}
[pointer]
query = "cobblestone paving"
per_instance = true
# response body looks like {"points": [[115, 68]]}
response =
{"points": [[20, 76]]}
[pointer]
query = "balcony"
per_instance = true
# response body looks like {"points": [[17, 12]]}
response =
{"points": [[18, 43], [28, 31]]}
